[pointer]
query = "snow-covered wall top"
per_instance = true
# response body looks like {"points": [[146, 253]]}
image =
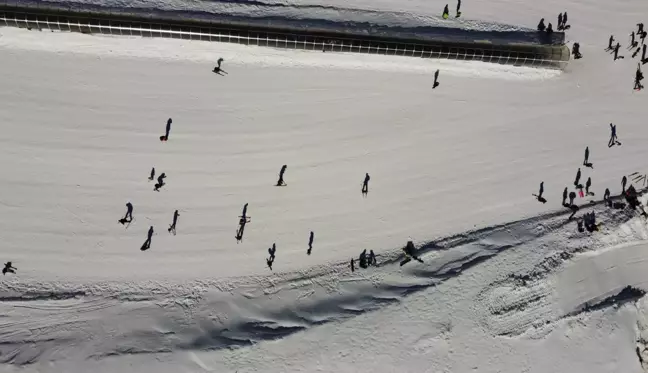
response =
{"points": [[386, 24]]}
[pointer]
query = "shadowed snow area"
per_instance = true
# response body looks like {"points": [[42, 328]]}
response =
{"points": [[507, 285]]}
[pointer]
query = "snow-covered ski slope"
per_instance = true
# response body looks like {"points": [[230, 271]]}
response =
{"points": [[506, 280]]}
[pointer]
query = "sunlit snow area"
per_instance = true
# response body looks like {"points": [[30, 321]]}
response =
{"points": [[507, 284]]}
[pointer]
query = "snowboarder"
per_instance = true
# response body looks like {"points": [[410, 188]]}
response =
{"points": [[588, 184], [172, 227], [564, 198], [539, 195], [147, 243], [613, 136], [638, 78], [310, 242], [218, 70], [446, 12], [281, 182], [129, 214], [586, 162], [160, 182], [541, 25], [458, 9], [616, 52], [152, 176], [436, 78], [165, 137], [576, 51], [611, 41], [269, 262], [577, 180], [365, 184], [9, 268]]}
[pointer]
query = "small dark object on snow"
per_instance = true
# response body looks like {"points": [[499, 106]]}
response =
{"points": [[9, 268]]}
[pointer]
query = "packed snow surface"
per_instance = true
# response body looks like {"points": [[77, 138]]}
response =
{"points": [[507, 282]]}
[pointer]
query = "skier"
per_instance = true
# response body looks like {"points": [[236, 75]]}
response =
{"points": [[588, 184], [644, 59], [160, 182], [577, 180], [633, 42], [565, 25], [352, 266], [365, 184], [172, 227], [541, 25], [9, 268], [436, 78], [560, 22], [372, 258], [272, 250], [458, 9], [165, 137], [152, 176], [606, 197], [640, 28], [539, 195], [576, 51], [564, 198], [310, 242], [613, 136], [129, 214], [446, 12], [363, 259], [243, 220], [147, 243], [218, 70], [624, 181], [638, 78], [610, 46], [586, 162], [281, 182], [616, 52]]}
